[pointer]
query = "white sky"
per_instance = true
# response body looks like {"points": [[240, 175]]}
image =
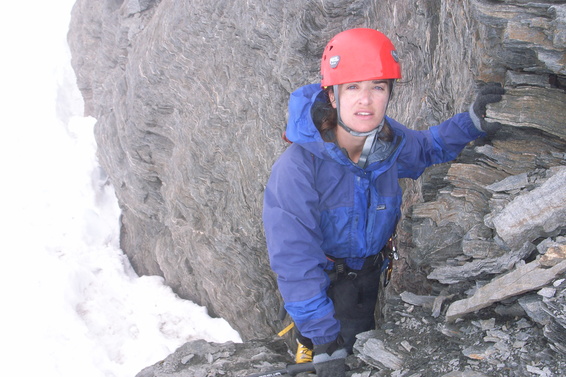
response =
{"points": [[71, 303]]}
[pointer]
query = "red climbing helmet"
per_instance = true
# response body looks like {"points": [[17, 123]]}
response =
{"points": [[359, 55]]}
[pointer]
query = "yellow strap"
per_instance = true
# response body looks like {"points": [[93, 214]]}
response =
{"points": [[286, 329]]}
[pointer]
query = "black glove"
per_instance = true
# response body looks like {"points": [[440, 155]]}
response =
{"points": [[330, 359], [491, 93]]}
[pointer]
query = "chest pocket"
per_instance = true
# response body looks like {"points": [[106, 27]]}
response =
{"points": [[334, 186]]}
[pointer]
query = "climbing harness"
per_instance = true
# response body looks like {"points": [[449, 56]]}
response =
{"points": [[382, 260]]}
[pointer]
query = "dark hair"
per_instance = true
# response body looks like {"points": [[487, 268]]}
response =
{"points": [[325, 118]]}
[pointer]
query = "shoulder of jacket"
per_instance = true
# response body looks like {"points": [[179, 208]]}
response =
{"points": [[295, 156]]}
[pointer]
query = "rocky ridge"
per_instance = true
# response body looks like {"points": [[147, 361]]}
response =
{"points": [[413, 340]]}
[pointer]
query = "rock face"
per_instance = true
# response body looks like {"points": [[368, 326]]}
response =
{"points": [[191, 96]]}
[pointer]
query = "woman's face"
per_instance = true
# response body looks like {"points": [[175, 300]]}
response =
{"points": [[362, 104]]}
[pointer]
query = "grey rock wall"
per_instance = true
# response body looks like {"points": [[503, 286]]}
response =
{"points": [[191, 96]]}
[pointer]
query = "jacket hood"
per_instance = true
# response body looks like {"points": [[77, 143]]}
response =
{"points": [[300, 125]]}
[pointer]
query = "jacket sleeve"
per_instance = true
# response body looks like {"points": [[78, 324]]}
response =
{"points": [[291, 222], [438, 144]]}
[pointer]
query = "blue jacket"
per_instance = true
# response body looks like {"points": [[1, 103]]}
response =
{"points": [[318, 202]]}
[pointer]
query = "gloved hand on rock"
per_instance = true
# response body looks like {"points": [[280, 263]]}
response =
{"points": [[491, 93], [330, 359]]}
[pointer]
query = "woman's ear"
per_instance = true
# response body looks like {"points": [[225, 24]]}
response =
{"points": [[332, 98]]}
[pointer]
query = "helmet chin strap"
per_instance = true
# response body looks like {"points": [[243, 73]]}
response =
{"points": [[368, 143]]}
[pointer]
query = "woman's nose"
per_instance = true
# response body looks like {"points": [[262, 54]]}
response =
{"points": [[365, 97]]}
